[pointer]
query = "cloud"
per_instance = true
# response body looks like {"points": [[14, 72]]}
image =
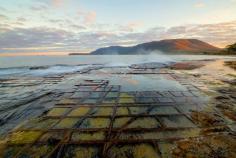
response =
{"points": [[39, 7], [4, 28], [67, 24], [90, 17], [33, 37], [56, 21], [220, 34], [21, 19], [3, 9], [200, 5], [3, 17], [57, 3], [132, 26], [77, 27], [51, 39], [87, 17]]}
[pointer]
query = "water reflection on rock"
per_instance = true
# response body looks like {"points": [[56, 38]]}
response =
{"points": [[148, 110]]}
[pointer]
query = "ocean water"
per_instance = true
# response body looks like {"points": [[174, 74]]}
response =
{"points": [[21, 65]]}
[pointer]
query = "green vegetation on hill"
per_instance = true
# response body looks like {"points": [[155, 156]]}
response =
{"points": [[231, 48]]}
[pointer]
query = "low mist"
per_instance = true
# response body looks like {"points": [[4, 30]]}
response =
{"points": [[141, 56]]}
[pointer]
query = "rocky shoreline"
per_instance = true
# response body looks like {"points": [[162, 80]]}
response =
{"points": [[184, 109]]}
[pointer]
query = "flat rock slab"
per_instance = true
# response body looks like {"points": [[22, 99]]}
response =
{"points": [[116, 115], [153, 65]]}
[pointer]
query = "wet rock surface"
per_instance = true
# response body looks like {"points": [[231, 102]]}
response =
{"points": [[187, 65], [231, 64], [153, 65], [218, 146], [142, 111]]}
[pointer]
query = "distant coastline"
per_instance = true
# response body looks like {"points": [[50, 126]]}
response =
{"points": [[167, 47], [79, 54], [171, 53]]}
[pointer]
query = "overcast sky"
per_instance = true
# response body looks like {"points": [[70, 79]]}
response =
{"points": [[64, 26]]}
